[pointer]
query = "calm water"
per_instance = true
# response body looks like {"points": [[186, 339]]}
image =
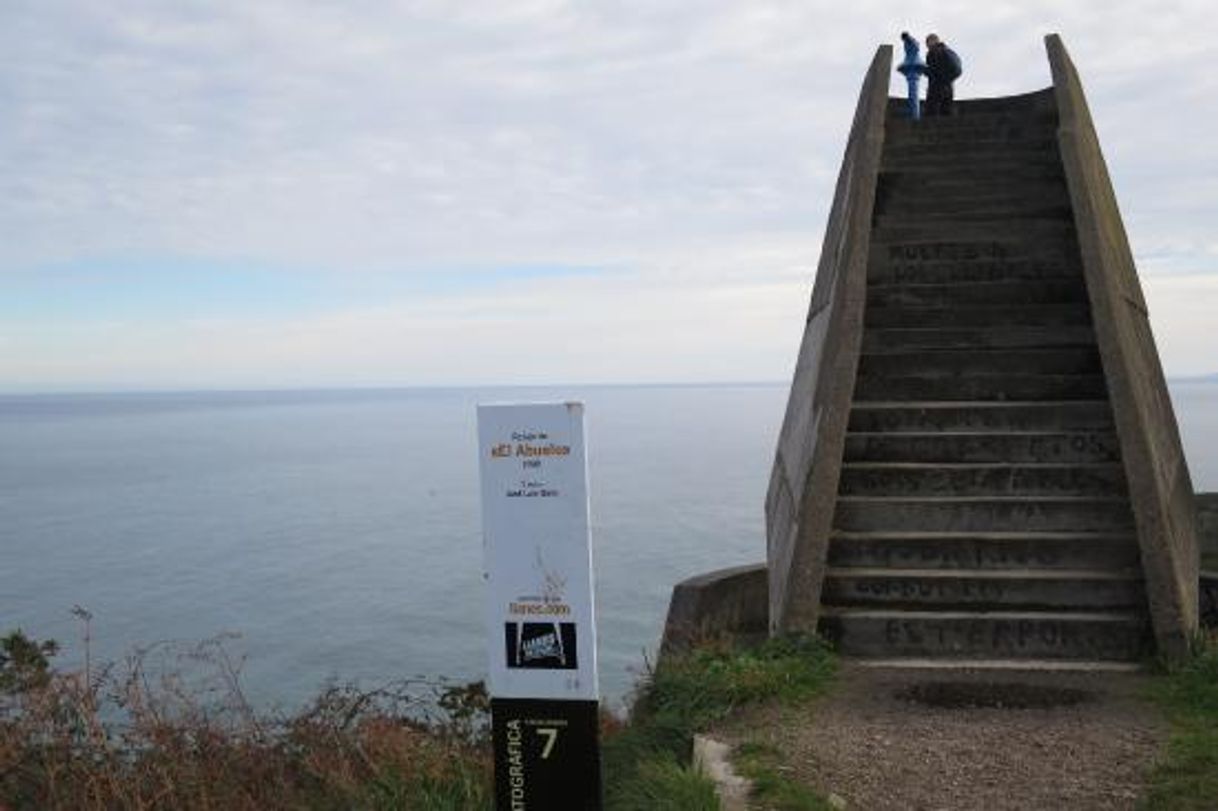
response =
{"points": [[338, 532]]}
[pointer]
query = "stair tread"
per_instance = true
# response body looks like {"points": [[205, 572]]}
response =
{"points": [[992, 284], [952, 307], [986, 574], [1012, 432], [939, 500], [880, 465], [990, 404], [982, 535], [1057, 615]]}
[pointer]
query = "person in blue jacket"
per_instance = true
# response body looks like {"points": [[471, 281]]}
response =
{"points": [[942, 68], [912, 68]]}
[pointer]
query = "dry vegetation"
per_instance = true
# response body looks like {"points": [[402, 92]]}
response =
{"points": [[171, 729]]}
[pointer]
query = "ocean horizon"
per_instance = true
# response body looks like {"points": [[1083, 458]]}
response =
{"points": [[333, 534]]}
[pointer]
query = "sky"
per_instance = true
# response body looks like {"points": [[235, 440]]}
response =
{"points": [[281, 194]]}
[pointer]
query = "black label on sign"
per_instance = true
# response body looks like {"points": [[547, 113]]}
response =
{"points": [[547, 755], [540, 645]]}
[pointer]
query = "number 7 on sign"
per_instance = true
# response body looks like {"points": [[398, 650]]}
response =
{"points": [[551, 735]]}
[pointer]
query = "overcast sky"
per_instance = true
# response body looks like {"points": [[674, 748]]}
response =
{"points": [[271, 194]]}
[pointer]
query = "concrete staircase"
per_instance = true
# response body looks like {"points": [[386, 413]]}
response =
{"points": [[982, 511]]}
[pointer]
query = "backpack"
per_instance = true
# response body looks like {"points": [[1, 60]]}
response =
{"points": [[955, 66]]}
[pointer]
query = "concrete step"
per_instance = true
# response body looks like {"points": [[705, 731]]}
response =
{"points": [[990, 590], [980, 417], [977, 551], [1036, 104], [957, 362], [982, 514], [999, 214], [954, 194], [883, 270], [943, 205], [979, 315], [898, 121], [994, 130], [1092, 635], [979, 240], [903, 340], [908, 155], [981, 175], [957, 149], [937, 479], [919, 294], [977, 447], [972, 164], [995, 387], [1032, 179], [1013, 176], [1031, 105]]}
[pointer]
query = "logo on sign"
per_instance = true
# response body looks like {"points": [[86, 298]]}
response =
{"points": [[540, 645]]}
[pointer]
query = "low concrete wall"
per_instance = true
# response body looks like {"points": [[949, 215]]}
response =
{"points": [[728, 603], [1209, 600], [1160, 490], [1207, 529], [1207, 534]]}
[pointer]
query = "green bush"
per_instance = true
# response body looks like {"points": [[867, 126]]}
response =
{"points": [[24, 663]]}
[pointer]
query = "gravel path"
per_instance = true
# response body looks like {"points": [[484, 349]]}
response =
{"points": [[872, 745]]}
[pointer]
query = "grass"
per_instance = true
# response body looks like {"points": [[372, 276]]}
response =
{"points": [[648, 762], [1186, 779], [657, 781], [762, 764]]}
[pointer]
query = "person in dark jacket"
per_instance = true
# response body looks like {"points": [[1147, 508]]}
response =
{"points": [[942, 68]]}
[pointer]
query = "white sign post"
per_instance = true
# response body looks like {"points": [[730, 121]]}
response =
{"points": [[541, 622]]}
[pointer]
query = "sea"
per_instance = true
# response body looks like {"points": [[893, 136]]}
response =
{"points": [[333, 536]]}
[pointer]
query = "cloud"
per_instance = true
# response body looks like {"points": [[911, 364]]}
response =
{"points": [[690, 142]]}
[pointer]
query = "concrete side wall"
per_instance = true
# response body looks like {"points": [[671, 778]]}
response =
{"points": [[1159, 483], [728, 603], [803, 483]]}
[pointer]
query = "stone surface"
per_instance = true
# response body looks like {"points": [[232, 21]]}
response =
{"points": [[1026, 590], [1071, 635], [1091, 447], [713, 759], [982, 514], [925, 417], [984, 478], [984, 551]]}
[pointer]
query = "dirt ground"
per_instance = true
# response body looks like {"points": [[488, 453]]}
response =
{"points": [[948, 739]]}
